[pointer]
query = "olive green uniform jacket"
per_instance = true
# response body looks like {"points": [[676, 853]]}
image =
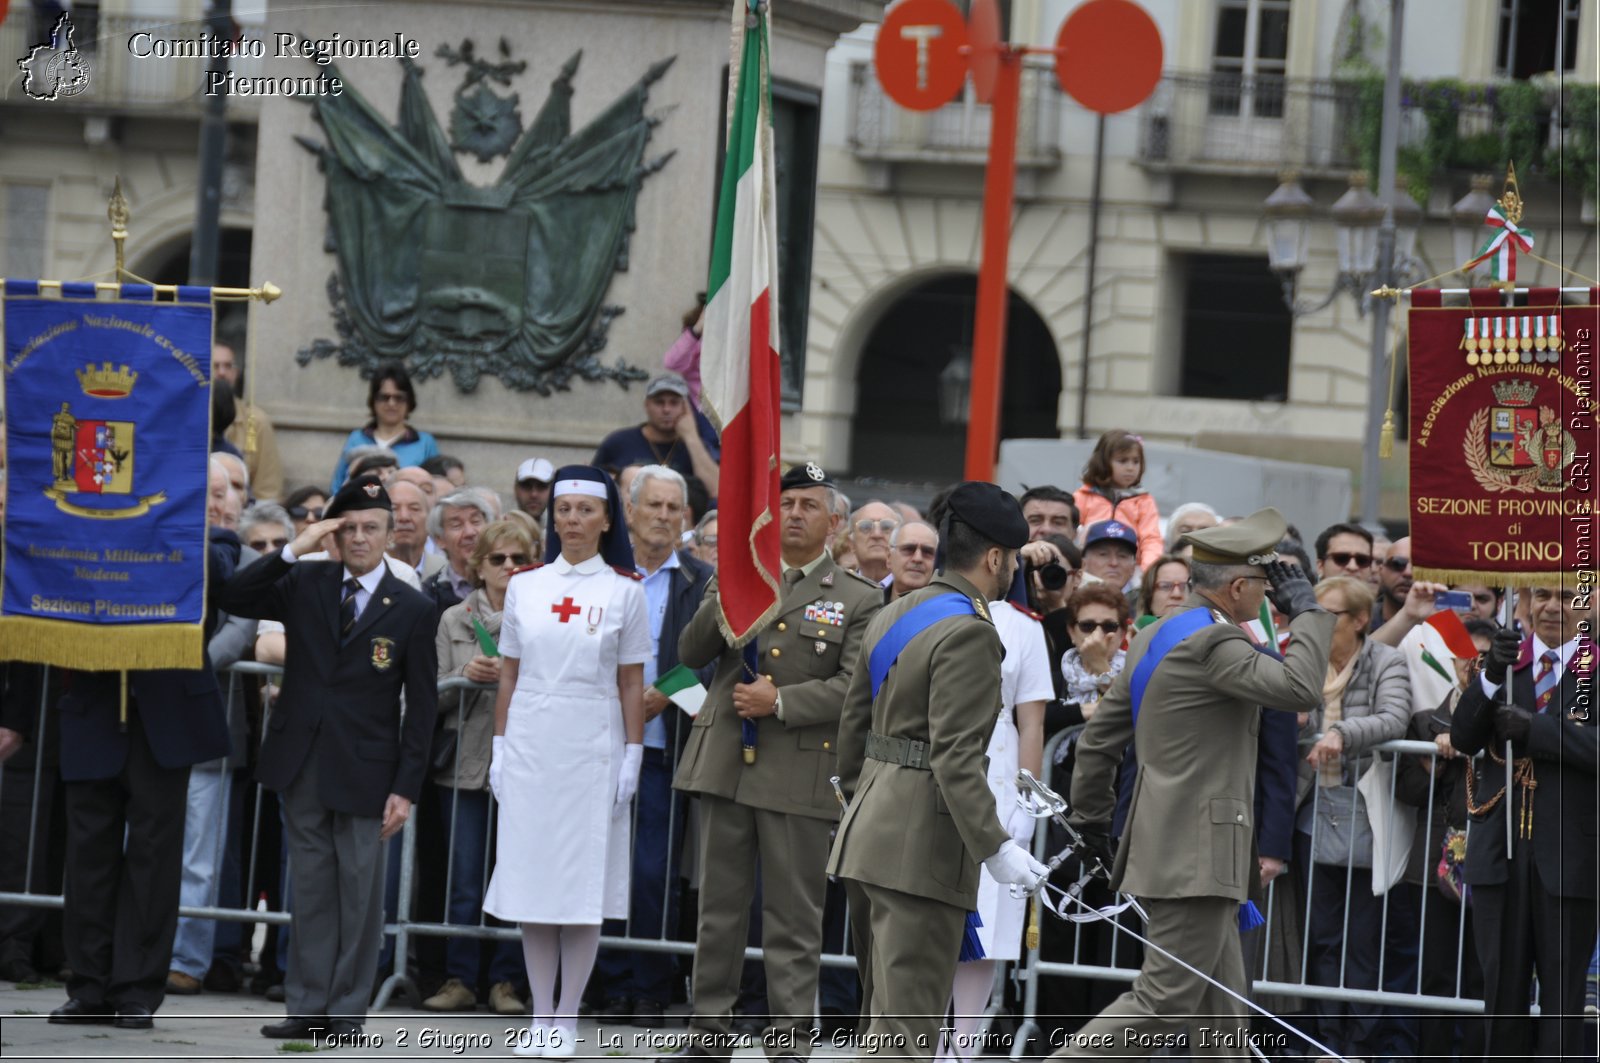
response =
{"points": [[1191, 824], [923, 830], [809, 652]]}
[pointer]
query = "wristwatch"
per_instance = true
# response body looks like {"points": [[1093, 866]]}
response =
{"points": [[777, 705]]}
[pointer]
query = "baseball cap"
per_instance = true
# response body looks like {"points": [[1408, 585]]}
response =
{"points": [[536, 469], [1113, 531], [672, 382]]}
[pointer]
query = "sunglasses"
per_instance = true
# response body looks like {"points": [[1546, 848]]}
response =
{"points": [[305, 513], [499, 559], [1397, 564], [1168, 586], [261, 546], [382, 397], [1343, 559], [1089, 627], [885, 525], [913, 549]]}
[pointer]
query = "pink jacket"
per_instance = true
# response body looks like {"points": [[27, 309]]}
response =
{"points": [[683, 358], [1136, 509]]}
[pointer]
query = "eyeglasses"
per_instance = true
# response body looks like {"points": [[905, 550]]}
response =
{"points": [[499, 559], [385, 396], [1343, 559], [1089, 627], [1397, 564], [885, 525], [710, 540], [1168, 586], [305, 512], [261, 546], [913, 549]]}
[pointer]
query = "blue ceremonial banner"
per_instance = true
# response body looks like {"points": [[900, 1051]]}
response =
{"points": [[108, 428]]}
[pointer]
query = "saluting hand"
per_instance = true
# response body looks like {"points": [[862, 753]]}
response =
{"points": [[310, 540]]}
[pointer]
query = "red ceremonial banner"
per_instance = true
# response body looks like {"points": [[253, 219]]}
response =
{"points": [[1503, 438]]}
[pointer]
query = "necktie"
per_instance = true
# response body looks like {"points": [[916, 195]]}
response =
{"points": [[1546, 681], [347, 607], [791, 579]]}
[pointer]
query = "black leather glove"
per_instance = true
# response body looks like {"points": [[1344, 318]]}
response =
{"points": [[1502, 655], [1290, 590], [1094, 845], [1512, 724]]}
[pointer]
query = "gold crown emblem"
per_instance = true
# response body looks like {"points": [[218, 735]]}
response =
{"points": [[1514, 392], [105, 382]]}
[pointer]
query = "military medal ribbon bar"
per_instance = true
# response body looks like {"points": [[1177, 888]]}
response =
{"points": [[1502, 444], [108, 431]]}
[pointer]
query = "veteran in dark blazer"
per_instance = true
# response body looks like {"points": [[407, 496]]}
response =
{"points": [[126, 791], [1193, 697], [346, 761], [773, 799], [1533, 908], [912, 763]]}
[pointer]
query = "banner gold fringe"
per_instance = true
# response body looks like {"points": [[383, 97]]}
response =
{"points": [[102, 648], [1502, 578]]}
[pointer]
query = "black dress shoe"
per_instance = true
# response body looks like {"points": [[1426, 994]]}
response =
{"points": [[616, 1009], [648, 1015], [222, 978], [134, 1017], [295, 1027], [76, 1011]]}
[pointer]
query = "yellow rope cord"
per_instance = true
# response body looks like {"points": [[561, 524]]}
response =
{"points": [[1386, 433], [1559, 266]]}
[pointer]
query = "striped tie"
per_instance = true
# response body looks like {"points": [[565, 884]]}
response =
{"points": [[1546, 681]]}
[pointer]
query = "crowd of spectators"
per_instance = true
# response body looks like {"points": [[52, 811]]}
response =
{"points": [[1103, 562]]}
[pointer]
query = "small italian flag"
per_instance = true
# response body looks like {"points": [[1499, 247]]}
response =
{"points": [[1502, 246], [1430, 650], [739, 345], [683, 688]]}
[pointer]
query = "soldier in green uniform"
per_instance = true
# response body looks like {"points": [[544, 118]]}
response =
{"points": [[772, 796], [1193, 684], [912, 738]]}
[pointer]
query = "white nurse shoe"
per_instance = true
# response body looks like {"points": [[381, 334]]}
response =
{"points": [[532, 1042], [561, 1043]]}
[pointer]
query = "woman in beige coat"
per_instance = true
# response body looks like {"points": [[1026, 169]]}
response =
{"points": [[468, 715]]}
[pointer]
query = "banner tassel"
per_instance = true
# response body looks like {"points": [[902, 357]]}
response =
{"points": [[1030, 938], [122, 707], [971, 947], [1250, 917]]}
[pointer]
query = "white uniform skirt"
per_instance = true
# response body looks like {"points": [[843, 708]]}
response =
{"points": [[562, 850], [1002, 914]]}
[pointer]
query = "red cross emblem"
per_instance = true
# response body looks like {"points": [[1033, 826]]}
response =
{"points": [[566, 609]]}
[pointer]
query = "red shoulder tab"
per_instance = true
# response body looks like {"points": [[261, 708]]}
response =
{"points": [[630, 573], [1024, 610], [527, 568]]}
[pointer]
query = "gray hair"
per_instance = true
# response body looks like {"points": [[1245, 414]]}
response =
{"points": [[841, 504], [356, 455], [465, 498], [699, 529], [244, 470], [656, 472], [894, 536], [266, 513], [491, 498], [1206, 576], [1183, 511], [214, 461]]}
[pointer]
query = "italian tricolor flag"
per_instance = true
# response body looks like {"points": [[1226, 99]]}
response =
{"points": [[1502, 245], [739, 345]]}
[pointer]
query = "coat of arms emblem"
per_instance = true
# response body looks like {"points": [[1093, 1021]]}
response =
{"points": [[95, 456], [1516, 446], [382, 653]]}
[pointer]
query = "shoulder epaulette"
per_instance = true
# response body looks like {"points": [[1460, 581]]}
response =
{"points": [[856, 575], [1024, 610], [525, 568], [630, 573]]}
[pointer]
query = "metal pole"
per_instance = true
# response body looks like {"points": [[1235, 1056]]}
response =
{"points": [[1378, 384], [213, 144], [1088, 284]]}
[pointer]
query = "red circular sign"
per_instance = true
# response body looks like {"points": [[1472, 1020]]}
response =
{"points": [[1108, 55], [918, 54], [984, 26]]}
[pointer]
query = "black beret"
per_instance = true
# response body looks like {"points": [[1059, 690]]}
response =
{"points": [[361, 492], [991, 512], [808, 475]]}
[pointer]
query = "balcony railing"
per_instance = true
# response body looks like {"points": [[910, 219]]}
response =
{"points": [[1234, 122], [118, 79], [883, 131]]}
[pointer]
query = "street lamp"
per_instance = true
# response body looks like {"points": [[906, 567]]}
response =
{"points": [[1466, 225], [1357, 217], [955, 387]]}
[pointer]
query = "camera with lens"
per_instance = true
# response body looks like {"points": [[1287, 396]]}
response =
{"points": [[1052, 576]]}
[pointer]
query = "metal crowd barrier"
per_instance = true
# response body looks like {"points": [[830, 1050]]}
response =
{"points": [[1029, 972]]}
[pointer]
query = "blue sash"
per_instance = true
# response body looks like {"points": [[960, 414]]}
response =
{"points": [[1163, 642], [908, 627]]}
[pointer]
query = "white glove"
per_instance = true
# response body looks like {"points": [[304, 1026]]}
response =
{"points": [[628, 778], [495, 761], [1021, 826], [1011, 865]]}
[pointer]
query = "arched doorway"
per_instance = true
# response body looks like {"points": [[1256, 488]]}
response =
{"points": [[914, 375], [169, 264]]}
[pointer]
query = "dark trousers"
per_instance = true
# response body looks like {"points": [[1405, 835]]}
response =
{"points": [[228, 944], [1522, 929], [838, 988], [468, 826], [653, 899], [1444, 925], [1346, 919], [27, 796], [121, 909]]}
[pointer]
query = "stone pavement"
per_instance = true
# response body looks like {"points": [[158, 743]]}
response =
{"points": [[214, 1026]]}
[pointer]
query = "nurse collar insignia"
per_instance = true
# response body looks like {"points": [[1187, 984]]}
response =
{"points": [[593, 617]]}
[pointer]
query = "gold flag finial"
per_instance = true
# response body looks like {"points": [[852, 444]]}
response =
{"points": [[117, 212], [1511, 198]]}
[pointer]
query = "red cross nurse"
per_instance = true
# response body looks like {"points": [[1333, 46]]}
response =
{"points": [[569, 732]]}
